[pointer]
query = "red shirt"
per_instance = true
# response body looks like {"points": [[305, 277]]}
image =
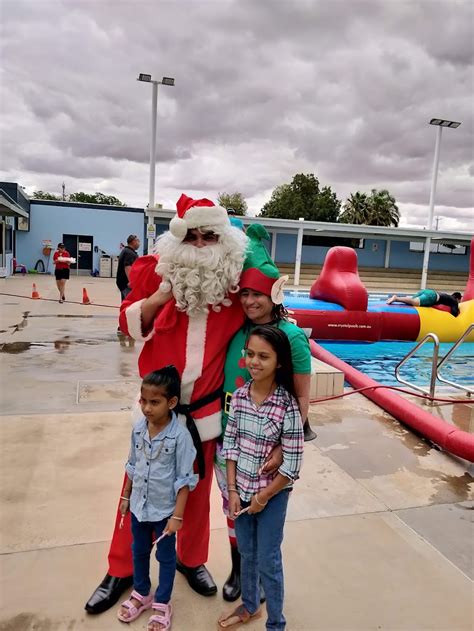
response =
{"points": [[61, 264]]}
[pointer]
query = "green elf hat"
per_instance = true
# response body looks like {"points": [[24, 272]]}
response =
{"points": [[260, 272]]}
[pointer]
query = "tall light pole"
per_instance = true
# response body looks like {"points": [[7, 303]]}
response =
{"points": [[440, 123], [150, 229]]}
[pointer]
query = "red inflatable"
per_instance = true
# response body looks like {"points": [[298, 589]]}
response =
{"points": [[339, 281], [469, 291], [447, 436]]}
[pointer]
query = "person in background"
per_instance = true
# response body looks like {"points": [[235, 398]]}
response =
{"points": [[62, 262], [263, 413], [430, 298], [234, 220], [127, 258]]}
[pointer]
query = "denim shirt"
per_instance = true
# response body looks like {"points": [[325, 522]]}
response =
{"points": [[159, 468]]}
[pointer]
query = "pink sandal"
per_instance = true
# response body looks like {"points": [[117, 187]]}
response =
{"points": [[162, 616], [133, 611]]}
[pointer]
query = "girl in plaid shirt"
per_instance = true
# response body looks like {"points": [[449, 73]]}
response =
{"points": [[263, 413]]}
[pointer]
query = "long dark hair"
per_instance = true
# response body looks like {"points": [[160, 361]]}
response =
{"points": [[279, 342], [167, 378], [278, 313]]}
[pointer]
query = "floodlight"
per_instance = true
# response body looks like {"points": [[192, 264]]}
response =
{"points": [[167, 81], [444, 123], [144, 77]]}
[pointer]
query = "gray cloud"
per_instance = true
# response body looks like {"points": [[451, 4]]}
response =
{"points": [[264, 90]]}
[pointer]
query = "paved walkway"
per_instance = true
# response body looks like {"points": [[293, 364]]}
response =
{"points": [[379, 533]]}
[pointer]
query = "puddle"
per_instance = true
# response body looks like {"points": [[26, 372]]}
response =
{"points": [[22, 324], [15, 348], [100, 316]]}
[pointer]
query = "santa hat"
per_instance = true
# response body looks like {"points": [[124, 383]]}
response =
{"points": [[260, 272], [196, 213]]}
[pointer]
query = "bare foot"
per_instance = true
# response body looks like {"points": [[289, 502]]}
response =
{"points": [[239, 615], [391, 299]]}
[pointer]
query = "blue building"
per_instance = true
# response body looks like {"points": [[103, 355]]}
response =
{"points": [[31, 229]]}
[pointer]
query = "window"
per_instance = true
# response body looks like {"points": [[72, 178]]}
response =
{"points": [[440, 248], [329, 242], [23, 223]]}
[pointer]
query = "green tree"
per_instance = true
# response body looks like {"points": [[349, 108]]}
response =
{"points": [[235, 201], [356, 209], [303, 198], [383, 209], [45, 195], [377, 209], [95, 198]]}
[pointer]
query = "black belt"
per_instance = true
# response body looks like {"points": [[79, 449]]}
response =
{"points": [[187, 410]]}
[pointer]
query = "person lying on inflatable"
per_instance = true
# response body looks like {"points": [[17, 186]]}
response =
{"points": [[430, 298]]}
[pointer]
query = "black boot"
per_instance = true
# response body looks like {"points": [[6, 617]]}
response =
{"points": [[308, 432], [231, 589], [107, 593]]}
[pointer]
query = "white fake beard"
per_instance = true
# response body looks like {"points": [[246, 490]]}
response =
{"points": [[205, 276]]}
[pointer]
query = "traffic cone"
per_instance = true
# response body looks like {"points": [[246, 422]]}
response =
{"points": [[85, 297], [35, 294]]}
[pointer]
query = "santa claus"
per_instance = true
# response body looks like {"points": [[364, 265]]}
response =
{"points": [[184, 306]]}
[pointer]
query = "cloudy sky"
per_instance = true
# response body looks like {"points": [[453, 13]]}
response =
{"points": [[264, 89]]}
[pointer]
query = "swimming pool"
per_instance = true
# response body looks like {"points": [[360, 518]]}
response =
{"points": [[304, 294], [378, 360]]}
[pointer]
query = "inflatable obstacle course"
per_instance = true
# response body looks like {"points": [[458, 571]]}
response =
{"points": [[338, 308]]}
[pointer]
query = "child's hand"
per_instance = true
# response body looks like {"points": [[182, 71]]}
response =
{"points": [[172, 526], [124, 507], [273, 461], [234, 504], [257, 507]]}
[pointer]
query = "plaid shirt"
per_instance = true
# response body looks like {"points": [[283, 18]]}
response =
{"points": [[252, 432]]}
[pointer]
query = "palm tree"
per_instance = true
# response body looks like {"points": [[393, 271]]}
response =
{"points": [[383, 210], [356, 209]]}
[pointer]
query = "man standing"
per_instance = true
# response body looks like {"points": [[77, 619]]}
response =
{"points": [[185, 307], [127, 258]]}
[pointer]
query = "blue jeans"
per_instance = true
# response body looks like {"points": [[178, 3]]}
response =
{"points": [[259, 538], [143, 532]]}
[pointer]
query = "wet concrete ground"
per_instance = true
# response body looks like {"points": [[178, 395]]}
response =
{"points": [[379, 531]]}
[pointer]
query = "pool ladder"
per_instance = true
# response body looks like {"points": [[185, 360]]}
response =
{"points": [[435, 364]]}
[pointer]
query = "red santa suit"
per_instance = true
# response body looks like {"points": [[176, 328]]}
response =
{"points": [[197, 346]]}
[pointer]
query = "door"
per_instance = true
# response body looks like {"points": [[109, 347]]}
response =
{"points": [[81, 247]]}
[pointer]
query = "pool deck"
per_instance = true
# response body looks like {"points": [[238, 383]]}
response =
{"points": [[379, 532]]}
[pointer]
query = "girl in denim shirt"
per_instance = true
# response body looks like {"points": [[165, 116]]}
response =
{"points": [[160, 477]]}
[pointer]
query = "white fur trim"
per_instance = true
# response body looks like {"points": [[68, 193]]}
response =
{"points": [[178, 228], [195, 347], [133, 313], [199, 216], [208, 427]]}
